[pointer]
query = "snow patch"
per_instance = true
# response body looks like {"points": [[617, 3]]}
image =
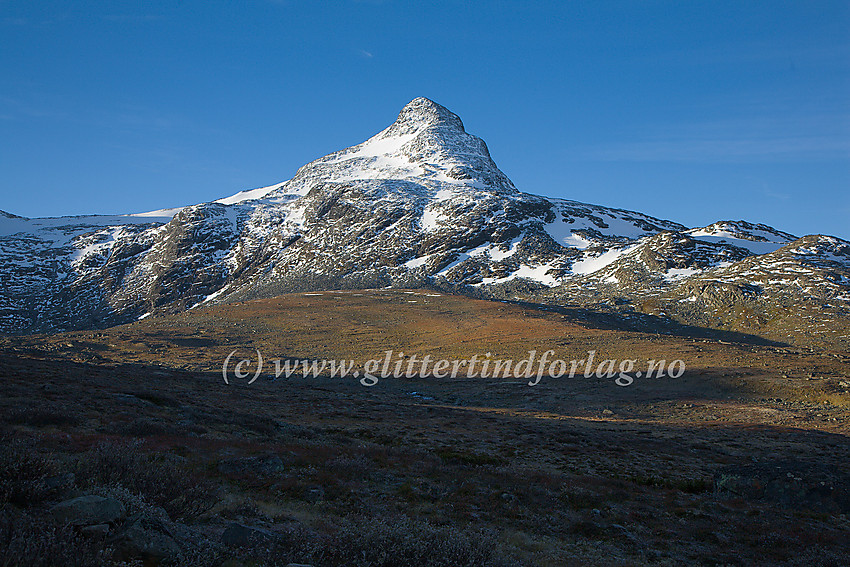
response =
{"points": [[536, 273], [416, 262], [679, 273], [431, 219], [761, 241], [211, 296], [249, 195], [596, 263]]}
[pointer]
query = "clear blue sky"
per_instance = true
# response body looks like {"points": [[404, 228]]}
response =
{"points": [[691, 111]]}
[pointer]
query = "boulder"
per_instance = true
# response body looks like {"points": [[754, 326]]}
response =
{"points": [[88, 510], [60, 482], [238, 535], [146, 537], [96, 531]]}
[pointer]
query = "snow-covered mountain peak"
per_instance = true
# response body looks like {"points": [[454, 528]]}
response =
{"points": [[419, 203], [426, 144], [421, 113]]}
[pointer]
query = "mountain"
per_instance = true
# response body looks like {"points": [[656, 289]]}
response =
{"points": [[420, 203]]}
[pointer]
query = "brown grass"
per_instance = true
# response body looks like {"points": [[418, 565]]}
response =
{"points": [[473, 472]]}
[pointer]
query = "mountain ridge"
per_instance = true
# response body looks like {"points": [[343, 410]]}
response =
{"points": [[419, 203]]}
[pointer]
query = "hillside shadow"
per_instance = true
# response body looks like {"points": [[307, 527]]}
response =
{"points": [[643, 323]]}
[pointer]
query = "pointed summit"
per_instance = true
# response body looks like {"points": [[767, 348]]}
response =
{"points": [[422, 113], [426, 145]]}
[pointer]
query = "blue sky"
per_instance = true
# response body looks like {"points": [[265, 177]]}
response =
{"points": [[691, 111]]}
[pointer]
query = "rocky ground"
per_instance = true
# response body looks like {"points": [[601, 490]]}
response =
{"points": [[125, 445]]}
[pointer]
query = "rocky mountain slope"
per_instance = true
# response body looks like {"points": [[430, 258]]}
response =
{"points": [[420, 203]]}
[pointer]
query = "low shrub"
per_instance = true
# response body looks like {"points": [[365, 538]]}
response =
{"points": [[23, 472], [42, 417], [29, 541], [362, 541], [405, 542], [160, 479]]}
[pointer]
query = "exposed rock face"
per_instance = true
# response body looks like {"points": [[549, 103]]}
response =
{"points": [[421, 202]]}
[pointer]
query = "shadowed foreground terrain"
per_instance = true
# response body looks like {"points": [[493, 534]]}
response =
{"points": [[126, 444]]}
